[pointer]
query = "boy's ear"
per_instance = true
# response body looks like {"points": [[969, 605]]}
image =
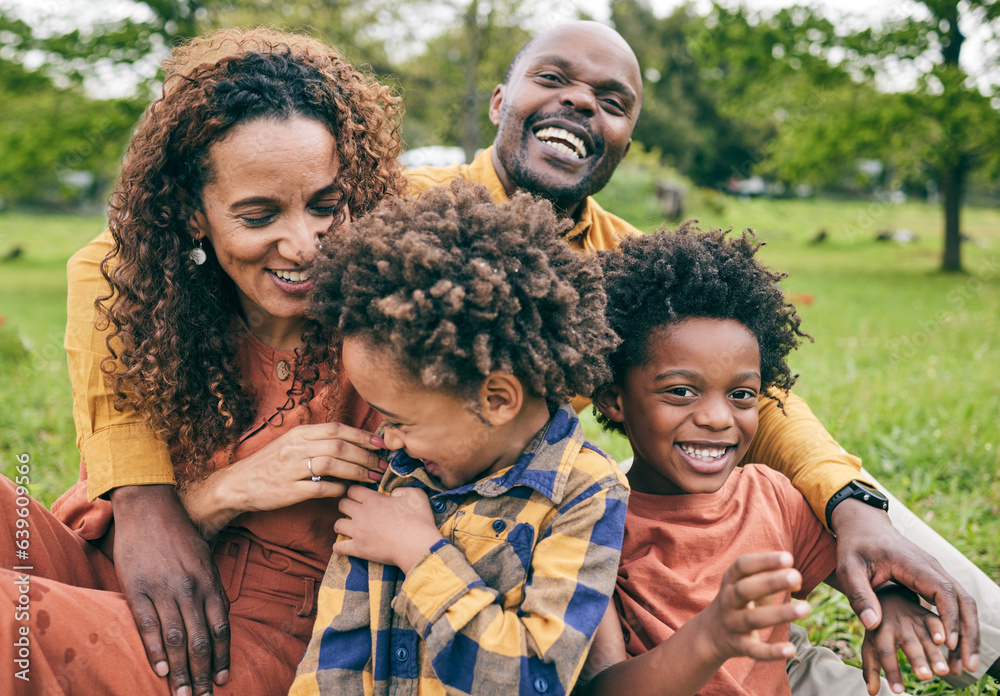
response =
{"points": [[609, 402], [501, 397]]}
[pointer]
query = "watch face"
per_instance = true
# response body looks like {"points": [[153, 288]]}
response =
{"points": [[873, 492], [871, 496]]}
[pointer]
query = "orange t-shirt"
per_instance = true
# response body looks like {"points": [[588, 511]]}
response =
{"points": [[677, 548]]}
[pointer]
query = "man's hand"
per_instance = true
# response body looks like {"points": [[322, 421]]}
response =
{"points": [[393, 529], [166, 572], [870, 552]]}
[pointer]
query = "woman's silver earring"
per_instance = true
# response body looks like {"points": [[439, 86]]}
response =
{"points": [[198, 255]]}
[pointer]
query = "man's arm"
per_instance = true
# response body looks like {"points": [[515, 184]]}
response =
{"points": [[795, 443], [118, 449], [164, 566], [870, 551]]}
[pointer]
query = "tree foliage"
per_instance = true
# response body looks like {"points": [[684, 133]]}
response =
{"points": [[729, 92], [58, 144], [944, 128], [683, 114], [447, 82], [447, 86], [788, 95], [61, 144]]}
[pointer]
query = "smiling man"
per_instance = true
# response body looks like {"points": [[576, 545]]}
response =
{"points": [[564, 116]]}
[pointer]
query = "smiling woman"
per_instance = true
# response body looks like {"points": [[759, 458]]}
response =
{"points": [[193, 362], [273, 193]]}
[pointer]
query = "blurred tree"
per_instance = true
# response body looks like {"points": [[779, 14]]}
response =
{"points": [[723, 88], [144, 36], [449, 82], [788, 95], [58, 145], [683, 111], [61, 144], [448, 85], [773, 75], [821, 91], [955, 125], [353, 27]]}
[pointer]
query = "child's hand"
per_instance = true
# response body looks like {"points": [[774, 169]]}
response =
{"points": [[393, 529], [726, 628], [732, 619], [907, 625]]}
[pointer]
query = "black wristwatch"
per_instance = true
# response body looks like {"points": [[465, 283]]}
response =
{"points": [[856, 490]]}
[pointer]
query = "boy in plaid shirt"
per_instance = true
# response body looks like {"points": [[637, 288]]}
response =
{"points": [[486, 559]]}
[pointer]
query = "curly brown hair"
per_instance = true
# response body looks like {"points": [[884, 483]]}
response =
{"points": [[457, 286], [171, 331], [665, 278]]}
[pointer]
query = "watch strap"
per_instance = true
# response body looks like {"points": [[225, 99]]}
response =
{"points": [[855, 490]]}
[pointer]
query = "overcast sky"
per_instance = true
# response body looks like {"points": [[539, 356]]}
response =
{"points": [[69, 14], [832, 8], [976, 53]]}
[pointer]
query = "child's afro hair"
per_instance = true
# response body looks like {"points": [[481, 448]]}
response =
{"points": [[457, 286], [667, 277]]}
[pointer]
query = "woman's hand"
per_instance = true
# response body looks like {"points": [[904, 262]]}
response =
{"points": [[281, 474], [166, 572], [906, 625], [870, 552], [393, 529]]}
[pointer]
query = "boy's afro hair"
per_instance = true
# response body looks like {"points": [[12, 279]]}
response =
{"points": [[457, 286], [667, 277]]}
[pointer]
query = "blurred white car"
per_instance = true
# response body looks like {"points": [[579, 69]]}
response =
{"points": [[432, 156]]}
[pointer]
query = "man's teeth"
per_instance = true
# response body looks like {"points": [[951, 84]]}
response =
{"points": [[553, 136], [706, 454], [293, 276]]}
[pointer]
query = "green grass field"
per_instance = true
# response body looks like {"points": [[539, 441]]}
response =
{"points": [[904, 371]]}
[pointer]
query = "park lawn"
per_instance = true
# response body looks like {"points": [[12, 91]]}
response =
{"points": [[36, 401], [904, 371]]}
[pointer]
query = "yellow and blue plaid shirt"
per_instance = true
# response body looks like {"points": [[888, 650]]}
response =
{"points": [[507, 602]]}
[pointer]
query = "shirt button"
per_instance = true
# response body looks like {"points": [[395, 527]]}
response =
{"points": [[283, 370], [438, 505], [541, 686], [499, 526], [402, 654]]}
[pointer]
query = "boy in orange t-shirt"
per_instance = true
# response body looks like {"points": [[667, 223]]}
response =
{"points": [[713, 553]]}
